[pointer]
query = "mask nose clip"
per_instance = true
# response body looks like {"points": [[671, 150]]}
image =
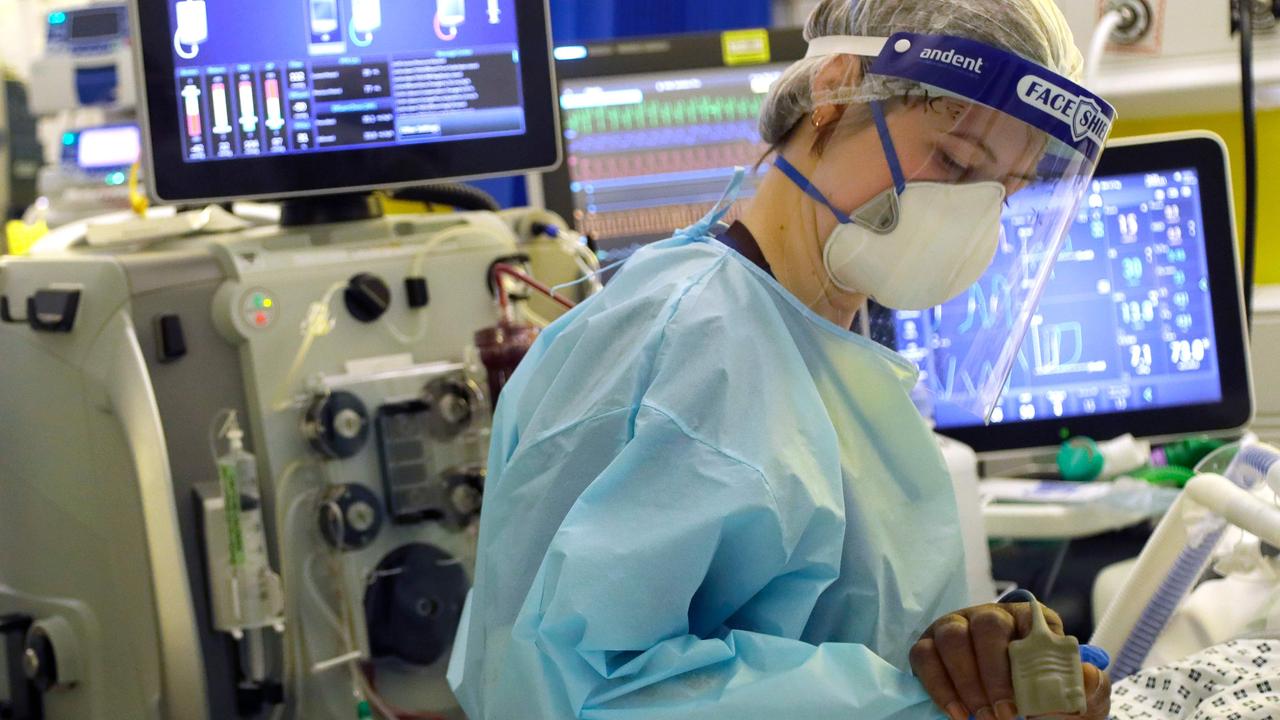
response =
{"points": [[881, 215]]}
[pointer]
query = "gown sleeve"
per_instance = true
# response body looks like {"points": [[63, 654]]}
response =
{"points": [[677, 587]]}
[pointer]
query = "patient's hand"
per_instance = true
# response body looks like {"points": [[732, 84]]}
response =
{"points": [[963, 662], [1097, 687]]}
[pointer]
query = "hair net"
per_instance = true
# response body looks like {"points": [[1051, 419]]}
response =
{"points": [[1034, 29]]}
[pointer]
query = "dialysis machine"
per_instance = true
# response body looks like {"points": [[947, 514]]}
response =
{"points": [[242, 472]]}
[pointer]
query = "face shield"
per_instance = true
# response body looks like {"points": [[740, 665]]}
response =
{"points": [[987, 157]]}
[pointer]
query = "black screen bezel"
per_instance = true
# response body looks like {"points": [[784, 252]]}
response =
{"points": [[1208, 157], [171, 179]]}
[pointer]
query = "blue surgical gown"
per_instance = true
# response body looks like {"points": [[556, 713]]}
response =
{"points": [[706, 501]]}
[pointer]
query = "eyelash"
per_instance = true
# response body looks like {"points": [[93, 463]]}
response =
{"points": [[950, 164]]}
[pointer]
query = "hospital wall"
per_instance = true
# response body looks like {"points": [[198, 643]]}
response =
{"points": [[1230, 127]]}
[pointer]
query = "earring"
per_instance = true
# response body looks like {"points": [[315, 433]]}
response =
{"points": [[819, 119]]}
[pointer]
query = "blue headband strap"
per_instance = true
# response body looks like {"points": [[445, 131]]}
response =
{"points": [[890, 151], [1003, 81]]}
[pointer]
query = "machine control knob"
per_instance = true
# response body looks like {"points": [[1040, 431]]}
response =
{"points": [[367, 297], [337, 425], [455, 409], [466, 494], [454, 404], [413, 604], [350, 518]]}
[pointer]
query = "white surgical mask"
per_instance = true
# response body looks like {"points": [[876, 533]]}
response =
{"points": [[914, 249], [935, 242]]}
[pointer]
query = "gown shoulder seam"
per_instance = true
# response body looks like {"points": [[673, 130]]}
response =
{"points": [[693, 436]]}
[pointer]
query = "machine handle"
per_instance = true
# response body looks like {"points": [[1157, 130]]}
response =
{"points": [[24, 702], [47, 310]]}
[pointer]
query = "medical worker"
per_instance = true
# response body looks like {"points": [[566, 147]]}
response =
{"points": [[708, 498]]}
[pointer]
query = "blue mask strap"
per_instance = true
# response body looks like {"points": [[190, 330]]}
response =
{"points": [[890, 151], [803, 183]]}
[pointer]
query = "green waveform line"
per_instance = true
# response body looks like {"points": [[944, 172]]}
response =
{"points": [[661, 114]]}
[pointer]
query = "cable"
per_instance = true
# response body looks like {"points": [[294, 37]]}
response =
{"points": [[1247, 82], [456, 195], [1098, 46], [138, 201]]}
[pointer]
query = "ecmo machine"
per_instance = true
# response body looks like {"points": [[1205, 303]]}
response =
{"points": [[242, 470]]}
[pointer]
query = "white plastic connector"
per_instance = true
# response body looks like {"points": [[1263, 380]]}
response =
{"points": [[232, 432]]}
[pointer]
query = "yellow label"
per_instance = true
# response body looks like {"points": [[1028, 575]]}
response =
{"points": [[746, 47]]}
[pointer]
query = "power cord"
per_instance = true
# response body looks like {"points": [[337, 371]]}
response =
{"points": [[1247, 85]]}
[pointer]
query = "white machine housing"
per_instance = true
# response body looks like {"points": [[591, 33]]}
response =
{"points": [[1266, 362], [91, 67], [105, 479]]}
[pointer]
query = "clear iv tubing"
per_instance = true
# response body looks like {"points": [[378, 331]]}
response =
{"points": [[319, 323], [294, 656], [419, 260], [359, 680], [298, 655], [320, 320], [590, 277]]}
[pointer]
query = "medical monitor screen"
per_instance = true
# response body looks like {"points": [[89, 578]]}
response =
{"points": [[412, 88], [648, 154], [1126, 321], [307, 76], [1139, 329], [112, 147], [91, 24]]}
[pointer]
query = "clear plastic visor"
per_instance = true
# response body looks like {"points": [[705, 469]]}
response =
{"points": [[963, 167]]}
